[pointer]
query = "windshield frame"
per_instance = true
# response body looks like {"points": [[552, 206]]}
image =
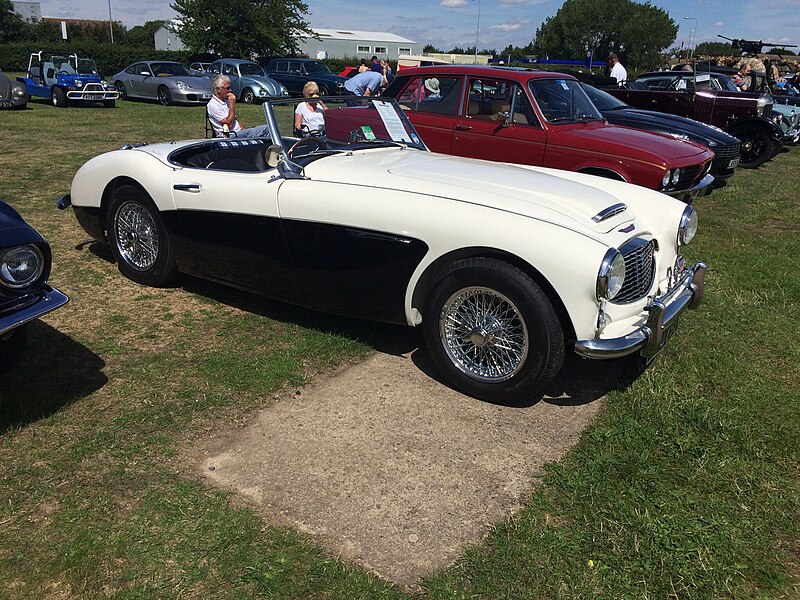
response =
{"points": [[167, 73], [614, 103]]}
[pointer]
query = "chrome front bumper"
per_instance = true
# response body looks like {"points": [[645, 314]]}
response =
{"points": [[661, 322], [701, 188], [49, 300]]}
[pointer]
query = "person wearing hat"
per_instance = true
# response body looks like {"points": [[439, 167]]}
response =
{"points": [[309, 115], [618, 72], [432, 89]]}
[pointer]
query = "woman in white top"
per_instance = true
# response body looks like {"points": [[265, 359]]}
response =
{"points": [[308, 116]]}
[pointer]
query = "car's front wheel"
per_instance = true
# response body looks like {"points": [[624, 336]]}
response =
{"points": [[492, 332], [123, 93], [164, 95], [139, 241], [59, 97], [757, 147], [248, 97]]}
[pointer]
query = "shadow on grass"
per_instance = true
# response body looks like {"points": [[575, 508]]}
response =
{"points": [[53, 372]]}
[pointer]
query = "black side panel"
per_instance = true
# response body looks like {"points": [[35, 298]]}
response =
{"points": [[244, 250], [352, 271], [89, 218]]}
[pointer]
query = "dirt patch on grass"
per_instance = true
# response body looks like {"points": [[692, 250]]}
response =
{"points": [[391, 469]]}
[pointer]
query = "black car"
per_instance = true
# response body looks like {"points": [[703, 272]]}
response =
{"points": [[294, 73], [13, 94], [725, 146], [25, 262]]}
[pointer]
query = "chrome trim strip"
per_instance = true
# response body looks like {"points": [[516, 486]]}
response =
{"points": [[687, 196], [51, 299], [609, 212], [663, 312]]}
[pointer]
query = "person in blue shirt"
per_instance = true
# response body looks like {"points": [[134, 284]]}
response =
{"points": [[368, 83]]}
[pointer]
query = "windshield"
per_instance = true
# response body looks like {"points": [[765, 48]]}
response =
{"points": [[86, 66], [602, 100], [61, 63], [170, 69], [563, 100], [341, 123], [725, 83], [317, 67], [251, 70]]}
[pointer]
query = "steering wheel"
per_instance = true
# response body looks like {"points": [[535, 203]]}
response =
{"points": [[63, 73], [314, 144]]}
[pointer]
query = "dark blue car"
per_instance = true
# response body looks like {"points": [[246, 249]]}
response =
{"points": [[295, 72], [25, 262]]}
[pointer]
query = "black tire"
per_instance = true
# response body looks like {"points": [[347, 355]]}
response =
{"points": [[323, 90], [109, 103], [59, 97], [12, 345], [757, 147], [138, 239], [123, 93], [164, 95], [487, 298], [248, 97]]}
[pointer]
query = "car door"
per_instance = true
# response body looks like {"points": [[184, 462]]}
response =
{"points": [[148, 82], [295, 78], [497, 122], [433, 115], [231, 229], [136, 78], [343, 263]]}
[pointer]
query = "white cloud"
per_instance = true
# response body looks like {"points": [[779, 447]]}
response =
{"points": [[510, 26], [453, 3], [719, 24]]}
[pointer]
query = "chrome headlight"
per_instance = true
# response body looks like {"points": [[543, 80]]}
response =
{"points": [[611, 275], [676, 177], [78, 83], [20, 266], [777, 118], [666, 179], [688, 226], [19, 92], [763, 102], [181, 85], [284, 91]]}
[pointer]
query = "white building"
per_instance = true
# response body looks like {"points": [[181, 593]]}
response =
{"points": [[165, 37], [29, 11], [344, 43]]}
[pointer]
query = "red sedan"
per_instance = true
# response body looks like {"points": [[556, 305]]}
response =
{"points": [[543, 119]]}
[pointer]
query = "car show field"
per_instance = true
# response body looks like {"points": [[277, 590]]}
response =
{"points": [[685, 482]]}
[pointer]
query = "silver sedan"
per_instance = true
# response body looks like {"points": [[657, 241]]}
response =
{"points": [[167, 82]]}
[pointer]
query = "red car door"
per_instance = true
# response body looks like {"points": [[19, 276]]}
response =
{"points": [[432, 103], [497, 122]]}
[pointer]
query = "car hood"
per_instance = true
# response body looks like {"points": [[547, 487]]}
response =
{"points": [[545, 194], [650, 119], [196, 83], [623, 141], [13, 228]]}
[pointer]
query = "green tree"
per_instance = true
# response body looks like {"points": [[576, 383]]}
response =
{"points": [[143, 35], [12, 27], [637, 32], [716, 49], [429, 49], [780, 50], [242, 27]]}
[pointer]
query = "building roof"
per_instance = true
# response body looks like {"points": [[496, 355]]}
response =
{"points": [[361, 36]]}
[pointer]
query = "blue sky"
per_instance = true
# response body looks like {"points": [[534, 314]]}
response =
{"points": [[449, 23]]}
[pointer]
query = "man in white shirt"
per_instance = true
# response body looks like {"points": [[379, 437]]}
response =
{"points": [[221, 111], [618, 72]]}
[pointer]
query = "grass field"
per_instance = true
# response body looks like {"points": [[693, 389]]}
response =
{"points": [[685, 487]]}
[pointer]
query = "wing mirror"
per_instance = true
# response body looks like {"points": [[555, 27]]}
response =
{"points": [[275, 154]]}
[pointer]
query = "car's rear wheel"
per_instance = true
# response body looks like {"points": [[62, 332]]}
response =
{"points": [[492, 331], [248, 97], [59, 97], [164, 95], [323, 90], [139, 241], [123, 93], [757, 148]]}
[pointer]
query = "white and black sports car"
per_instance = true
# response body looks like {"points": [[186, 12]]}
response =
{"points": [[505, 267]]}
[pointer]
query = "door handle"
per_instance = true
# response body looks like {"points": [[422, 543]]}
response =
{"points": [[187, 187], [460, 127]]}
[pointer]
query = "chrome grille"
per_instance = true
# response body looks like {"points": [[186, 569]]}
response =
{"points": [[639, 255], [729, 151], [688, 175]]}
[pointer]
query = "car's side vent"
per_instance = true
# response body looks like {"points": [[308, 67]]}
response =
{"points": [[639, 255], [609, 212]]}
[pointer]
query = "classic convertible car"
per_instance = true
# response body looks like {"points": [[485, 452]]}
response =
{"points": [[505, 267], [24, 294]]}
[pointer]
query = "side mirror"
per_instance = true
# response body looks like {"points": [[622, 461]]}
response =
{"points": [[275, 154]]}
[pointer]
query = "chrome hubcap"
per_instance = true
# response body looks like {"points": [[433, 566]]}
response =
{"points": [[483, 334], [136, 236]]}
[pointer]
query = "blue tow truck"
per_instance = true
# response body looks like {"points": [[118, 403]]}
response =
{"points": [[66, 80]]}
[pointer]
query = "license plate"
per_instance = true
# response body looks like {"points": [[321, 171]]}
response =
{"points": [[205, 96], [733, 163], [5, 103]]}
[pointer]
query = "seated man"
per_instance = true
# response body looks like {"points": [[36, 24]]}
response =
{"points": [[221, 112]]}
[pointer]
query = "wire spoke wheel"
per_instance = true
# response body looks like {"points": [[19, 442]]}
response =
{"points": [[136, 236], [484, 334]]}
